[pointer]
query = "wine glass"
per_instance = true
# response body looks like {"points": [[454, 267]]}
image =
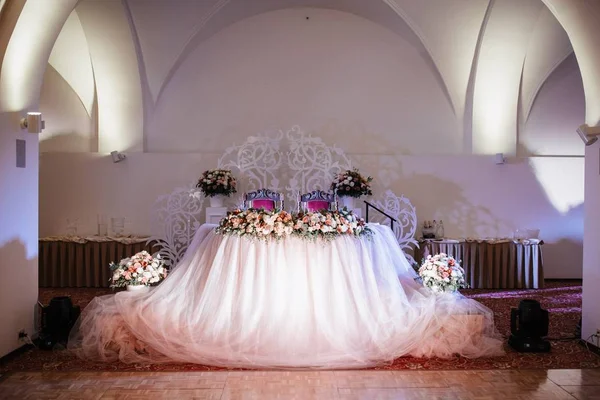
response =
{"points": [[72, 224]]}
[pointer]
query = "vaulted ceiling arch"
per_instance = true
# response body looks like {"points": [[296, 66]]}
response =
{"points": [[223, 13]]}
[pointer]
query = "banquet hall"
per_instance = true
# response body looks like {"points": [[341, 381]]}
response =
{"points": [[480, 113]]}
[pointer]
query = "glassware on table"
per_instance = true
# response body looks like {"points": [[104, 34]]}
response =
{"points": [[533, 233], [520, 234], [72, 226], [128, 228], [117, 226], [102, 225], [103, 229]]}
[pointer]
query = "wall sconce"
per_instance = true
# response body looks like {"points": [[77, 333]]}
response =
{"points": [[33, 122], [117, 157], [589, 135], [500, 159]]}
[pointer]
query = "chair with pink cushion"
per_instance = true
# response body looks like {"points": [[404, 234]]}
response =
{"points": [[263, 198], [317, 200]]}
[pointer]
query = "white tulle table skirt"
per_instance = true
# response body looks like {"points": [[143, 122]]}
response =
{"points": [[234, 302]]}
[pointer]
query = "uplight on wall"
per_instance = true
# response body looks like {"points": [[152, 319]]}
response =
{"points": [[117, 156], [589, 135], [33, 122]]}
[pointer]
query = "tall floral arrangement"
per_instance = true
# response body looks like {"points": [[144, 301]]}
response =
{"points": [[352, 184], [139, 269], [442, 273], [217, 182]]}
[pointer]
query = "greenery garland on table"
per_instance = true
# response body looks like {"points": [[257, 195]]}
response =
{"points": [[278, 224]]}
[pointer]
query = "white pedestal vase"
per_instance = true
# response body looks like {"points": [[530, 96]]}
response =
{"points": [[348, 202], [217, 201], [138, 288]]}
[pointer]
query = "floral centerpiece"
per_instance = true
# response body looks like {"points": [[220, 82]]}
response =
{"points": [[142, 269], [276, 224], [257, 223], [329, 224], [216, 182], [351, 183], [442, 273]]}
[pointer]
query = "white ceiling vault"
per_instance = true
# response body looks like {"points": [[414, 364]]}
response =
{"points": [[447, 30], [484, 53]]}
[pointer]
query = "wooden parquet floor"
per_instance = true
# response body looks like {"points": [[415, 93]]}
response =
{"points": [[343, 385]]}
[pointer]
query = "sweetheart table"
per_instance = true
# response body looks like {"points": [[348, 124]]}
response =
{"points": [[292, 303]]}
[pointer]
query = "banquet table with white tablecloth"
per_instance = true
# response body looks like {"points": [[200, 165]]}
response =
{"points": [[348, 302]]}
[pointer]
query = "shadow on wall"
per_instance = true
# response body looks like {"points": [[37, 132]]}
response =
{"points": [[353, 138], [571, 252], [446, 197], [348, 135], [476, 198], [18, 294]]}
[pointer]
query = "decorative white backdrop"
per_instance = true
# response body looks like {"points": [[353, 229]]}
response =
{"points": [[303, 161]]}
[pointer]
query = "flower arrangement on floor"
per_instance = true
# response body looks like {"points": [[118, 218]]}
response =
{"points": [[216, 182], [141, 269], [351, 183], [276, 224], [442, 273]]}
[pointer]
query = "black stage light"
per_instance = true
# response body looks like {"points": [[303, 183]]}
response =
{"points": [[528, 327], [57, 320]]}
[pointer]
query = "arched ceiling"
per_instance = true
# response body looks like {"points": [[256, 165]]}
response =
{"points": [[579, 18], [541, 59], [211, 16], [447, 31], [70, 57], [513, 45]]}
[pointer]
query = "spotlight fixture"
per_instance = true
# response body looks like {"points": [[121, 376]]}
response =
{"points": [[58, 318], [589, 135], [117, 156], [528, 327], [33, 122]]}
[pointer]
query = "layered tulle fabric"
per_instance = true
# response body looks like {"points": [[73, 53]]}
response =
{"points": [[294, 303]]}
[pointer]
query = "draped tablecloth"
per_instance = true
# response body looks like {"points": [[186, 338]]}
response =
{"points": [[292, 303], [75, 261], [493, 263]]}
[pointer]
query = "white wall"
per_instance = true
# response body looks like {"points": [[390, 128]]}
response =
{"points": [[18, 234], [446, 187], [27, 33]]}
